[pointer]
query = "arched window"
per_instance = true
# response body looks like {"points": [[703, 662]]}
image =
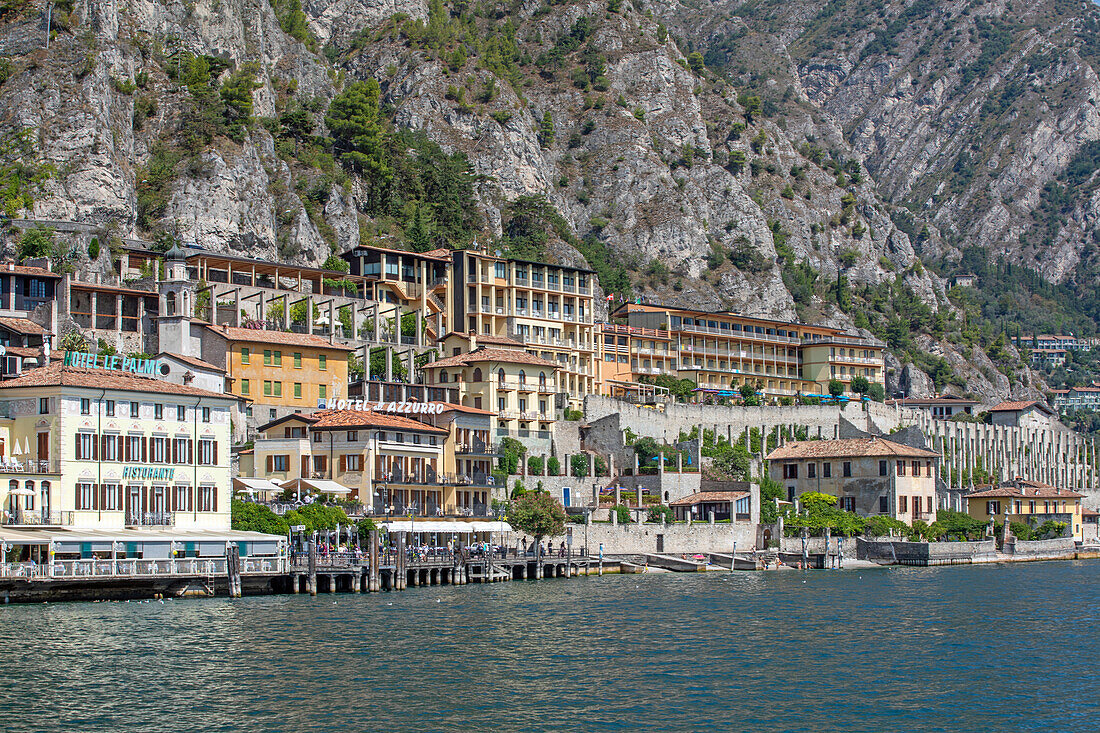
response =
{"points": [[443, 377], [522, 377], [542, 379], [477, 375], [170, 304], [500, 376], [44, 489], [29, 499]]}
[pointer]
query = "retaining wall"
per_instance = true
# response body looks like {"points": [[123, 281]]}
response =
{"points": [[897, 552], [1058, 549], [628, 539]]}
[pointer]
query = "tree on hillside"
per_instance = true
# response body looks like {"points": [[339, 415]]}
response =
{"points": [[358, 140]]}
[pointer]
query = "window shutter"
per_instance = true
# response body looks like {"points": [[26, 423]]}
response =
{"points": [[214, 494], [270, 464], [78, 455], [190, 450], [343, 464], [144, 449], [118, 503], [95, 447], [215, 453], [97, 501]]}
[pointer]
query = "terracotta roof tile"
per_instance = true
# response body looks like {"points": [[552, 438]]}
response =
{"points": [[344, 419], [56, 375], [848, 448], [22, 325], [705, 497], [27, 270], [260, 336], [197, 363], [507, 356], [484, 338], [1020, 489], [1016, 406]]}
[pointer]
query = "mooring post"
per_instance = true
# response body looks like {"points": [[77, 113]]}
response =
{"points": [[374, 582], [311, 582], [233, 570]]}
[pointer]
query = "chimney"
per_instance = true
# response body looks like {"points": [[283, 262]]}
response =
{"points": [[473, 340]]}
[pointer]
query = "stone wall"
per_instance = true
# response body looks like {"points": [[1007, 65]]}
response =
{"points": [[896, 552], [633, 539], [1056, 549]]}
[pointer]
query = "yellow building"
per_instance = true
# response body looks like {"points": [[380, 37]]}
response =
{"points": [[1028, 502], [104, 448], [437, 464], [724, 350], [516, 386], [869, 476], [546, 307], [280, 373], [625, 354]]}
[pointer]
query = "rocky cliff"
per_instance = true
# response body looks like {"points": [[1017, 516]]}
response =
{"points": [[799, 165]]}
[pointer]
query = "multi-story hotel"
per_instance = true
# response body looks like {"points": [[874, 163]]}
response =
{"points": [[416, 280], [721, 351], [546, 307], [436, 464], [517, 387], [105, 448], [278, 372]]}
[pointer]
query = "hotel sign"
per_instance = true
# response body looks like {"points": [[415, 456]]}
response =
{"points": [[112, 363], [399, 408], [153, 473]]}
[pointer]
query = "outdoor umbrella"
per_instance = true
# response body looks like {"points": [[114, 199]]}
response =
{"points": [[19, 491]]}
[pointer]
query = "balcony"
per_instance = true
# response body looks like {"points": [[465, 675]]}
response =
{"points": [[149, 519], [477, 448], [37, 518], [31, 467]]}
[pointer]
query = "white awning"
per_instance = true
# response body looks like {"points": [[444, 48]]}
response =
{"points": [[445, 526], [325, 486], [256, 484]]}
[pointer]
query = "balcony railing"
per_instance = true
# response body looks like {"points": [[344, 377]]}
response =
{"points": [[103, 568], [35, 518], [150, 519], [50, 468]]}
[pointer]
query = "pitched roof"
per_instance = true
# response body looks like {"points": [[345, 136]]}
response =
{"points": [[706, 497], [1021, 489], [56, 374], [197, 363], [28, 270], [344, 419], [1018, 406], [484, 338], [848, 448], [286, 338], [480, 354], [22, 325]]}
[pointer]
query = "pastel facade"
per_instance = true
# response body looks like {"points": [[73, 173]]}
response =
{"points": [[99, 449], [1030, 502], [869, 476]]}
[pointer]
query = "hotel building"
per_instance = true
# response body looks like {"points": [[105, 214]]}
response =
{"points": [[95, 448], [548, 308], [722, 351]]}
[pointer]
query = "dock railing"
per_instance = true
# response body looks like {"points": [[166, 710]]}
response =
{"points": [[136, 567]]}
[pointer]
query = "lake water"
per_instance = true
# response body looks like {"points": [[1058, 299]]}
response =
{"points": [[975, 648]]}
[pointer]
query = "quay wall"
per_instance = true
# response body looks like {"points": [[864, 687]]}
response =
{"points": [[637, 539], [1057, 549], [897, 552]]}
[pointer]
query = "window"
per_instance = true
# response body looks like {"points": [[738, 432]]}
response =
{"points": [[244, 355], [917, 505], [111, 445], [267, 388], [398, 437], [158, 412], [181, 451], [277, 389], [883, 505], [206, 414], [267, 357], [271, 413], [244, 386], [322, 362], [277, 358], [181, 413], [1030, 507], [133, 448], [353, 462], [903, 504], [826, 470], [280, 463], [848, 503], [135, 409], [499, 270], [158, 450], [109, 408], [322, 391], [790, 470], [182, 499], [85, 406], [111, 495], [298, 390], [901, 468], [208, 499], [353, 436], [208, 452], [297, 360], [84, 497], [43, 405], [811, 470], [916, 468], [85, 447], [883, 468], [316, 437], [847, 469]]}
